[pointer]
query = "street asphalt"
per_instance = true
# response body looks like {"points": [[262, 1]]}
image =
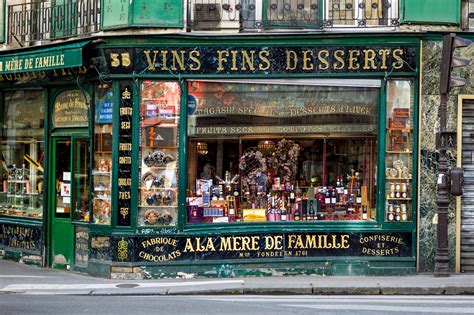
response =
{"points": [[16, 278]]}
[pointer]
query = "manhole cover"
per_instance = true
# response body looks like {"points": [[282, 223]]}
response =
{"points": [[127, 285]]}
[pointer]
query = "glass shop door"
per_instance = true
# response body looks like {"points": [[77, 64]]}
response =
{"points": [[69, 196]]}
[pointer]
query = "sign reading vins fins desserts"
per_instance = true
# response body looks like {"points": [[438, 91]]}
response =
{"points": [[263, 60], [278, 245], [125, 154]]}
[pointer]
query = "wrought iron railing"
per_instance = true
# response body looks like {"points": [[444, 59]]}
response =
{"points": [[310, 14], [43, 20]]}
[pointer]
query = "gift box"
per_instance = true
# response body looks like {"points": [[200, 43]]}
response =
{"points": [[194, 214], [254, 215]]}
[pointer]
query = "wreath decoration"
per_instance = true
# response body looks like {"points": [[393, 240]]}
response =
{"points": [[284, 158], [252, 163]]}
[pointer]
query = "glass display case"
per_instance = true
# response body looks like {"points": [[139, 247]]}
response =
{"points": [[159, 132], [22, 153], [399, 152], [102, 167]]}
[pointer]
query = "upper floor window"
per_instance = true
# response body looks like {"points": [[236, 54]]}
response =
{"points": [[309, 14]]}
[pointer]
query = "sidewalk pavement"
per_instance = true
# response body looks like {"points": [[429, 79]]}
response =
{"points": [[18, 278]]}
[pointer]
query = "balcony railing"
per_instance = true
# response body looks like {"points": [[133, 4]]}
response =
{"points": [[38, 21], [248, 15]]}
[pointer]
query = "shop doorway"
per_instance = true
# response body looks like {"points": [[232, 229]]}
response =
{"points": [[69, 195]]}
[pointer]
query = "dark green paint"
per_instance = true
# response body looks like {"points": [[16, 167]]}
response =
{"points": [[430, 11], [141, 13], [72, 58]]}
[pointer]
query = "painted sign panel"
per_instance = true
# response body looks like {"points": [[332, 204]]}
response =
{"points": [[164, 13], [115, 13], [27, 238], [71, 109], [263, 60], [160, 249], [125, 153], [431, 11], [81, 257]]}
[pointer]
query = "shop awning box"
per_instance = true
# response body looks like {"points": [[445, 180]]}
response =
{"points": [[41, 59]]}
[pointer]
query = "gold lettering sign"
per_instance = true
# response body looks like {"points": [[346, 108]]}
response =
{"points": [[329, 128], [280, 60], [71, 109], [380, 245]]}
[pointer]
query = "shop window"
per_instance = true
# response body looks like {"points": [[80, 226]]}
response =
{"points": [[81, 179], [159, 132], [295, 150], [399, 155], [102, 167], [22, 152]]}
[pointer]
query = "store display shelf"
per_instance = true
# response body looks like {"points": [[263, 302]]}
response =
{"points": [[159, 147], [399, 199], [100, 173], [147, 206], [398, 178], [102, 198], [17, 181], [159, 168], [101, 189], [400, 152], [158, 188], [401, 129]]}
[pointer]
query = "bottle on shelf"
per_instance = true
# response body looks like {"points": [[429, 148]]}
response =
{"points": [[358, 197], [283, 214], [364, 212], [311, 214], [297, 214]]}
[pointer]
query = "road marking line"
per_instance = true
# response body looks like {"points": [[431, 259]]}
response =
{"points": [[357, 300], [90, 286], [385, 308], [23, 276]]}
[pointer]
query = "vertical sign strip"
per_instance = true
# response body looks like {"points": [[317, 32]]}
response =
{"points": [[125, 154]]}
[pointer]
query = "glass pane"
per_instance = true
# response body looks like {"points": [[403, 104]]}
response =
{"points": [[81, 180], [63, 179], [159, 132], [399, 156], [280, 152], [102, 168], [22, 153]]}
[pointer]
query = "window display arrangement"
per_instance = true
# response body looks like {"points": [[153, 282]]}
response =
{"points": [[159, 130], [102, 167], [399, 154], [279, 152], [22, 153]]}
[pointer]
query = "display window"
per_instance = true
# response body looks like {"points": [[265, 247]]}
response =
{"points": [[22, 153], [282, 150], [159, 132], [102, 166], [399, 151]]}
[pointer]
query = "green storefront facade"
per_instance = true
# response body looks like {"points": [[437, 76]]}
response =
{"points": [[114, 199]]}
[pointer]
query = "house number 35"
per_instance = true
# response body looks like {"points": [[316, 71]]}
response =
{"points": [[117, 60]]}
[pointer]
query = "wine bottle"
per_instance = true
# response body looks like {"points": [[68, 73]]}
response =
{"points": [[364, 212], [297, 214], [358, 197], [311, 211]]}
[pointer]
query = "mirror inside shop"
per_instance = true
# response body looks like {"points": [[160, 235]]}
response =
{"points": [[282, 179]]}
